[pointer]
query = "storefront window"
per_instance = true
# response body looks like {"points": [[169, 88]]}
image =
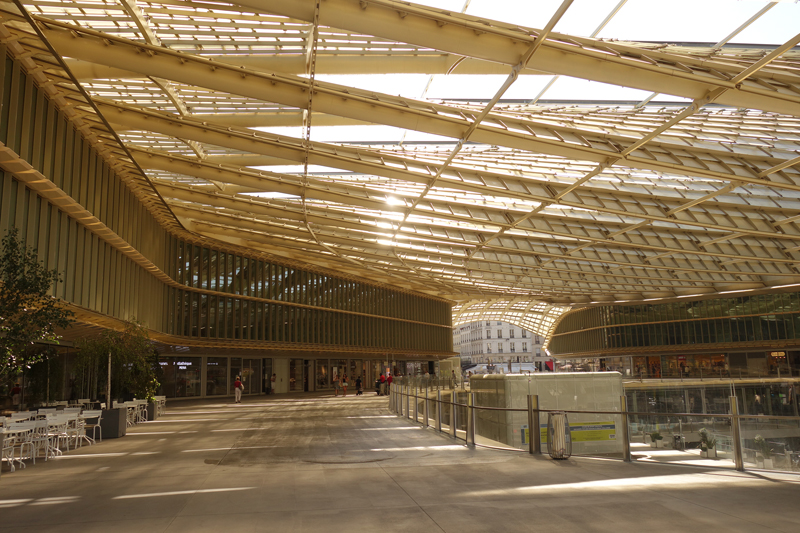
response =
{"points": [[338, 368], [251, 376], [236, 371], [295, 374], [181, 377], [216, 376], [322, 374]]}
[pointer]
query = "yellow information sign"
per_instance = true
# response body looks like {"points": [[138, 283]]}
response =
{"points": [[587, 431]]}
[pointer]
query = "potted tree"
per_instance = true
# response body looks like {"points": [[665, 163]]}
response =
{"points": [[707, 443], [762, 446], [125, 365], [655, 437]]}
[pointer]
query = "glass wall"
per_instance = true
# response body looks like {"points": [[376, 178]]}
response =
{"points": [[181, 378], [251, 376], [216, 376], [267, 372], [322, 374], [276, 308], [338, 368], [295, 375], [768, 319]]}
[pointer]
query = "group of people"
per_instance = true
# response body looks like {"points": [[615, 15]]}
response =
{"points": [[382, 384], [340, 385]]}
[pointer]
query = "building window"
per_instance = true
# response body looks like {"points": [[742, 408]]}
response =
{"points": [[499, 323], [513, 347], [524, 346], [488, 349], [499, 347], [512, 333], [499, 333], [488, 334], [537, 340], [524, 333], [538, 352]]}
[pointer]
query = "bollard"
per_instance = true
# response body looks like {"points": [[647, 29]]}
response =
{"points": [[736, 436], [416, 404], [534, 434], [425, 410], [471, 419], [439, 411], [453, 400], [626, 443]]}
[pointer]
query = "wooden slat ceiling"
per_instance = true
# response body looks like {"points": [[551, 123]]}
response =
{"points": [[526, 209]]}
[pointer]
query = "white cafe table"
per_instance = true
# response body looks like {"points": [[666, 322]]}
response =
{"points": [[13, 431]]}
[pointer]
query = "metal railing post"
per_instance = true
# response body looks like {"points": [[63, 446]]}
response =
{"points": [[439, 411], [416, 404], [408, 401], [425, 409], [534, 434], [471, 419], [453, 400], [736, 436], [626, 443]]}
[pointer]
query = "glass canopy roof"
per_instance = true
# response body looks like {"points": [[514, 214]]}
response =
{"points": [[515, 157]]}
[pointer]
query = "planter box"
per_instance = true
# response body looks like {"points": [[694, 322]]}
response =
{"points": [[114, 423], [704, 453], [152, 411]]}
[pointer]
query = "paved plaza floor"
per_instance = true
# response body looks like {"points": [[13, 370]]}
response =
{"points": [[320, 463]]}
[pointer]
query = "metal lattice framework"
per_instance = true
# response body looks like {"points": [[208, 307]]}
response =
{"points": [[529, 208]]}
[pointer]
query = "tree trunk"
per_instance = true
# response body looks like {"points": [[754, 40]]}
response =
{"points": [[108, 389]]}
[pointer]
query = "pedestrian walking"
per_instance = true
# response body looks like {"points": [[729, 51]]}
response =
{"points": [[359, 391], [238, 386], [344, 385], [336, 384], [273, 379]]}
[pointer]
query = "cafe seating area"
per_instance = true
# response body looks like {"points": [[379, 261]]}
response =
{"points": [[46, 433]]}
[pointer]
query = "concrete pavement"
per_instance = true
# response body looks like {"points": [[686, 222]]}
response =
{"points": [[319, 463]]}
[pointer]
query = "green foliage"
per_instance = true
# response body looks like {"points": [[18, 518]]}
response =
{"points": [[763, 446], [28, 311], [656, 436], [707, 441], [47, 373], [134, 361]]}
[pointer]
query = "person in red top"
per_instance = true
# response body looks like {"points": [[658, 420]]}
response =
{"points": [[237, 389], [383, 385], [16, 395], [389, 383]]}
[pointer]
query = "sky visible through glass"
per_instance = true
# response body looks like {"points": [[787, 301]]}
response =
{"points": [[674, 22]]}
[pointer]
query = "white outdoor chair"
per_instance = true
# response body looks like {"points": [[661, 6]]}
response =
{"points": [[44, 413], [76, 428], [40, 439], [57, 430], [21, 441], [95, 426], [9, 445]]}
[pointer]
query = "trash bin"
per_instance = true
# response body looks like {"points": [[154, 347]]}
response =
{"points": [[559, 438], [677, 442]]}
